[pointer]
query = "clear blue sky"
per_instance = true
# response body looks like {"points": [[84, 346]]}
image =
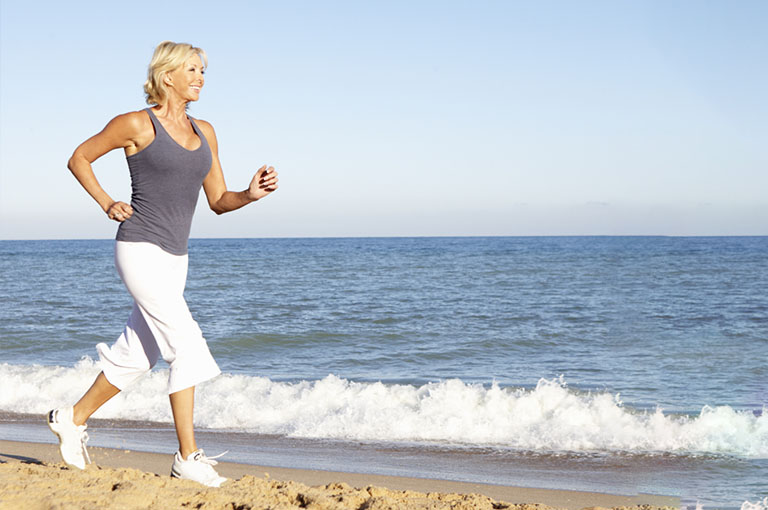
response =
{"points": [[409, 118]]}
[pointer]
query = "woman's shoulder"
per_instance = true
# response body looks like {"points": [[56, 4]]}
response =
{"points": [[136, 121], [131, 129], [202, 124], [205, 126]]}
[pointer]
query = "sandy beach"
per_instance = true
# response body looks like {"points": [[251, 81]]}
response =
{"points": [[32, 477]]}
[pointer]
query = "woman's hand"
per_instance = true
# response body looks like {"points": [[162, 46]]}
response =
{"points": [[263, 183], [119, 211]]}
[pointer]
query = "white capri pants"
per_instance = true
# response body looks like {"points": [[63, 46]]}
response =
{"points": [[160, 323]]}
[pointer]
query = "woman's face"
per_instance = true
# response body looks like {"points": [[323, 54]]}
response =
{"points": [[188, 79]]}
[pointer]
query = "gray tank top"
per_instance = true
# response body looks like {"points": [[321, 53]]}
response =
{"points": [[166, 180]]}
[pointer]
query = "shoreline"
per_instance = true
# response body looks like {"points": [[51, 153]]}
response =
{"points": [[618, 476], [133, 466]]}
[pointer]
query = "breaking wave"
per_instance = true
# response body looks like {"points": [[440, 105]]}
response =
{"points": [[549, 418]]}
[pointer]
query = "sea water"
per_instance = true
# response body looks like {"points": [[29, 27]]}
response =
{"points": [[629, 364]]}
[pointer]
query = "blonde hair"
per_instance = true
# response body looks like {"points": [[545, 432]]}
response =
{"points": [[168, 57]]}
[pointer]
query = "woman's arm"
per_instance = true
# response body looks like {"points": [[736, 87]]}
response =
{"points": [[122, 131], [220, 200]]}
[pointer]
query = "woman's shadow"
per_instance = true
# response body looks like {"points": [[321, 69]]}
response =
{"points": [[21, 458]]}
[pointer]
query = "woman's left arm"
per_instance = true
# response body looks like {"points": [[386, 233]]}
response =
{"points": [[220, 199]]}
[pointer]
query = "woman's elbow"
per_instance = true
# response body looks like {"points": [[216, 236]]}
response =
{"points": [[74, 161]]}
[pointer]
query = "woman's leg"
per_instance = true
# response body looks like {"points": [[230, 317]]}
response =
{"points": [[100, 391], [195, 467], [156, 280], [183, 407], [68, 423]]}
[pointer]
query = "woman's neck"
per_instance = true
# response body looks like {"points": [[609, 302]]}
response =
{"points": [[173, 109]]}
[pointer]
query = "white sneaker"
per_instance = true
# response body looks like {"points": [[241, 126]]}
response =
{"points": [[72, 438], [197, 467]]}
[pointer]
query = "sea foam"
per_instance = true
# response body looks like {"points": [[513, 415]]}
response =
{"points": [[759, 505], [549, 418]]}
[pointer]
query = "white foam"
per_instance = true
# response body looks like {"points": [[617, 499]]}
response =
{"points": [[759, 505], [550, 417]]}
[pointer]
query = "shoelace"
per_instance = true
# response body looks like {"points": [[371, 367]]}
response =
{"points": [[210, 460], [83, 440]]}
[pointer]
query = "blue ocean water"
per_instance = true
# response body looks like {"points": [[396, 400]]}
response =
{"points": [[625, 351]]}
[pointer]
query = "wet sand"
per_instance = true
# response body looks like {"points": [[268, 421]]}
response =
{"points": [[32, 477]]}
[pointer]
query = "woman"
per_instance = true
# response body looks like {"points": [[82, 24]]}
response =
{"points": [[170, 156]]}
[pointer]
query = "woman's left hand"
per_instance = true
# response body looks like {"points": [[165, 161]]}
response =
{"points": [[263, 183]]}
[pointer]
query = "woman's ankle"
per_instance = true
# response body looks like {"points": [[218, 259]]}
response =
{"points": [[78, 418]]}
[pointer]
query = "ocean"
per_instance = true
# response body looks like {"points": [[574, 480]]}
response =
{"points": [[610, 364]]}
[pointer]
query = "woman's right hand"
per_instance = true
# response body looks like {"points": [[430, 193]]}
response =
{"points": [[119, 211]]}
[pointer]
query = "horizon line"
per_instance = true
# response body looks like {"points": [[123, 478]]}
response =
{"points": [[456, 236]]}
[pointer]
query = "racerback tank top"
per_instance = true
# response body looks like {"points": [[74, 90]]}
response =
{"points": [[166, 180]]}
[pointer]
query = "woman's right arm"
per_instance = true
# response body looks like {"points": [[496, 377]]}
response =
{"points": [[123, 131]]}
